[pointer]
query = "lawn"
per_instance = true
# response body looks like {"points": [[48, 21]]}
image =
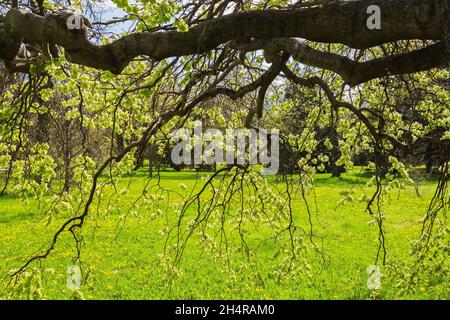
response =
{"points": [[122, 252]]}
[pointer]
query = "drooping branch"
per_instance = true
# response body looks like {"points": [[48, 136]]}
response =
{"points": [[182, 109], [344, 22]]}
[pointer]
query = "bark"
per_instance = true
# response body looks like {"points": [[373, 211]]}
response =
{"points": [[335, 154], [352, 72], [344, 22], [429, 153]]}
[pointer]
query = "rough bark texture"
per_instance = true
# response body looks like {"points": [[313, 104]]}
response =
{"points": [[343, 23], [353, 72]]}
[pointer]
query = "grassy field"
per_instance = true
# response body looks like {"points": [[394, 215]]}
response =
{"points": [[124, 259]]}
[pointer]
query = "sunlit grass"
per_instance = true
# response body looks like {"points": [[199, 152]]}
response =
{"points": [[124, 264]]}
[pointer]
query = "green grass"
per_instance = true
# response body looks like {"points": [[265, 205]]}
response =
{"points": [[126, 264]]}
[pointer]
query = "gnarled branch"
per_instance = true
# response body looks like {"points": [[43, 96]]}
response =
{"points": [[343, 22]]}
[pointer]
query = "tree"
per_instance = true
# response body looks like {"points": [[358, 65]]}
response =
{"points": [[178, 56]]}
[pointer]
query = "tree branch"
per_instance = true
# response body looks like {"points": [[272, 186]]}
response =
{"points": [[352, 72], [343, 22]]}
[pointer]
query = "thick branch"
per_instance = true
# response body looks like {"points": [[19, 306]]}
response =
{"points": [[352, 72], [343, 23]]}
